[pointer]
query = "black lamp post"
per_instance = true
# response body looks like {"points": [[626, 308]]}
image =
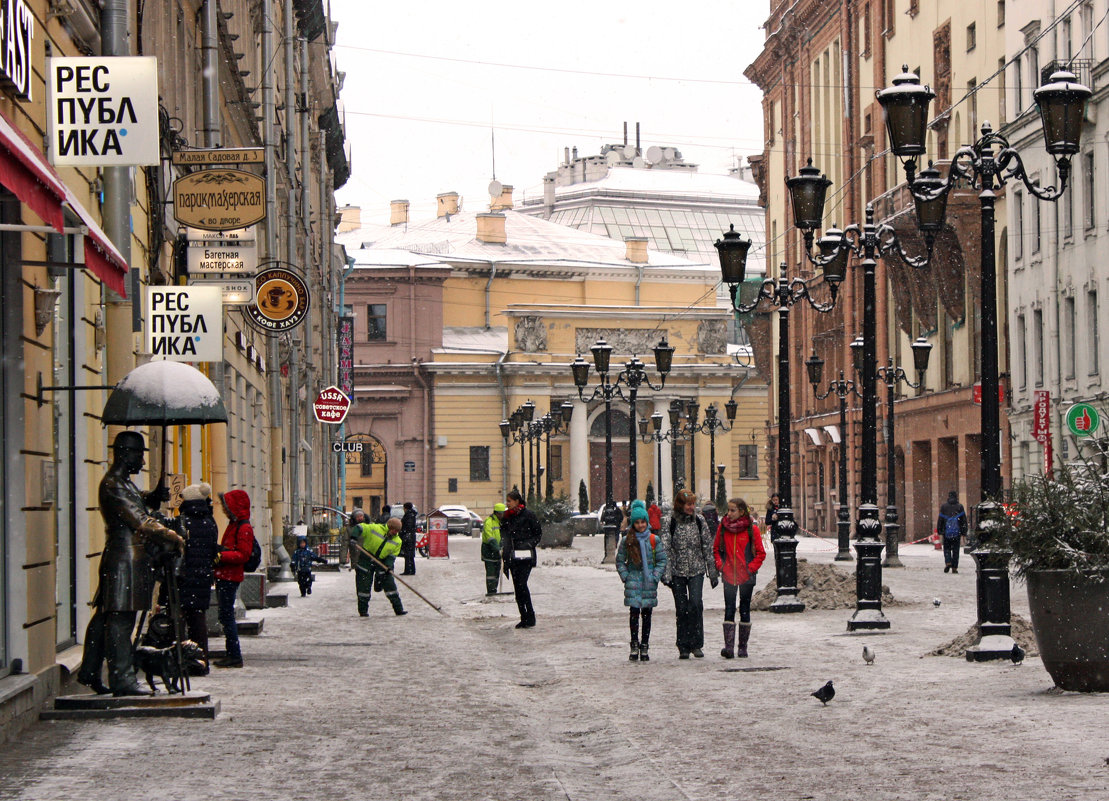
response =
{"points": [[655, 434], [517, 428], [1061, 102], [676, 434], [555, 424], [841, 388], [633, 376], [782, 294], [891, 375], [868, 242], [710, 426], [608, 389]]}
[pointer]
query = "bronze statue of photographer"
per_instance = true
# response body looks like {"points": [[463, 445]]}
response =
{"points": [[126, 568]]}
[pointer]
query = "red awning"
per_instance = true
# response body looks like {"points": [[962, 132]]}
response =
{"points": [[25, 171]]}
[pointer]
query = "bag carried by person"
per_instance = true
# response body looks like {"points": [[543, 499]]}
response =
{"points": [[951, 526], [251, 564]]}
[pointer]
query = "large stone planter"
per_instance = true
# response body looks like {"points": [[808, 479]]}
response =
{"points": [[1070, 616], [557, 535], [583, 525]]}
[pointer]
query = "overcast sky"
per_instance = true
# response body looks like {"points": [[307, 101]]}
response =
{"points": [[426, 81]]}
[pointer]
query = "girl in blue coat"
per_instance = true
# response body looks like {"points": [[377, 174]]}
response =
{"points": [[640, 561]]}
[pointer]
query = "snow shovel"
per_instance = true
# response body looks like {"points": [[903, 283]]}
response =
{"points": [[398, 578]]}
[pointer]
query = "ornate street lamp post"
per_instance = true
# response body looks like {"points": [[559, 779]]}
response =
{"points": [[654, 434], [1061, 102], [807, 191], [517, 429], [633, 376], [710, 426], [891, 375], [555, 424], [841, 388], [676, 434], [782, 294], [608, 389]]}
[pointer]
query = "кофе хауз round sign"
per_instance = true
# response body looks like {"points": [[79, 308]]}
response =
{"points": [[281, 300]]}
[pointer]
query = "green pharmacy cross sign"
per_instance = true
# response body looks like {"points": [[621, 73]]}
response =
{"points": [[1083, 420]]}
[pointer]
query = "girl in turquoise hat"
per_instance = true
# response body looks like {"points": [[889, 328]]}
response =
{"points": [[640, 561]]}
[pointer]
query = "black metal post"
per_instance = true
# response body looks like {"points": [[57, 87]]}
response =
{"points": [[868, 545], [658, 469], [523, 467], [609, 525], [693, 453], [892, 526], [633, 443], [992, 563], [843, 515], [550, 478], [782, 534]]}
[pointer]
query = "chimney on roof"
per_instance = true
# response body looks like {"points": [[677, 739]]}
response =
{"points": [[504, 201], [490, 228], [447, 204], [635, 249], [398, 212], [350, 219]]}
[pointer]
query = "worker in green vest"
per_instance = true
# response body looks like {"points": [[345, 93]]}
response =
{"points": [[383, 543], [491, 548]]}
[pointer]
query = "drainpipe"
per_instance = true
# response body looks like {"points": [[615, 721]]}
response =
{"points": [[498, 369], [278, 498], [296, 510], [427, 442], [488, 288], [116, 212], [313, 280], [638, 281], [209, 90], [343, 428]]}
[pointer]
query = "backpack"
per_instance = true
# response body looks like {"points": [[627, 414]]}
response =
{"points": [[255, 559], [951, 526]]}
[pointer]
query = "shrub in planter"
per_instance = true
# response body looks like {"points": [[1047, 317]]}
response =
{"points": [[1058, 531]]}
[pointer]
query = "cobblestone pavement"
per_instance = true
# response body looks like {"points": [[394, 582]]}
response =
{"points": [[464, 706]]}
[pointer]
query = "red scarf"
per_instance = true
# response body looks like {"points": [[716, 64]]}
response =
{"points": [[737, 525]]}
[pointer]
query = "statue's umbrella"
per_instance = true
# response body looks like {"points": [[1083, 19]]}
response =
{"points": [[164, 394]]}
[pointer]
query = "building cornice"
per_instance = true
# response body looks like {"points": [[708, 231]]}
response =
{"points": [[653, 313]]}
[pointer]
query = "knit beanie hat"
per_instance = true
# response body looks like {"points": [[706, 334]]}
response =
{"points": [[638, 511], [197, 492]]}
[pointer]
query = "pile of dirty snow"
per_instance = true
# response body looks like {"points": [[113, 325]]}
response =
{"points": [[819, 586], [1021, 633]]}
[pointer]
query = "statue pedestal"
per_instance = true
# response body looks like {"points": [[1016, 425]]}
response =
{"points": [[106, 707]]}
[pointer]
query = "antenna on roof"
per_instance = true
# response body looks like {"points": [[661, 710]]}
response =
{"points": [[493, 142]]}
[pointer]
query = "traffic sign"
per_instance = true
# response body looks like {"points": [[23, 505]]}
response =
{"points": [[331, 406], [1083, 420]]}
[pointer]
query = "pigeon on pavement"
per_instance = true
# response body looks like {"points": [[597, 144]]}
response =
{"points": [[868, 655], [825, 694], [935, 602], [1017, 654]]}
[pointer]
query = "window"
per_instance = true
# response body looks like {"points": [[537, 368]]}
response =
{"points": [[1066, 214], [1068, 337], [1001, 108], [1022, 351], [479, 463], [1038, 347], [1035, 221], [1018, 86], [375, 322], [356, 501], [556, 462], [1001, 13], [367, 462], [972, 109], [1090, 215], [1018, 226], [866, 30], [890, 14], [971, 35], [452, 485], [748, 461], [1091, 327], [947, 343], [914, 7], [820, 482]]}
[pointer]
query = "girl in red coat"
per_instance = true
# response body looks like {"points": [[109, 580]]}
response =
{"points": [[235, 548], [739, 554]]}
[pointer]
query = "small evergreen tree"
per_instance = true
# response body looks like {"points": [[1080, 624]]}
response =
{"points": [[721, 495], [583, 499], [650, 495]]}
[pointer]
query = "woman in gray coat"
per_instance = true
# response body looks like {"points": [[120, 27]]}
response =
{"points": [[687, 540]]}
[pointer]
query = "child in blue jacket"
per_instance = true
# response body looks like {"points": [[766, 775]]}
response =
{"points": [[302, 559], [640, 561]]}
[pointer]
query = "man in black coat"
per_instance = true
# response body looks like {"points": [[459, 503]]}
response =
{"points": [[952, 526], [408, 539], [194, 583], [520, 535]]}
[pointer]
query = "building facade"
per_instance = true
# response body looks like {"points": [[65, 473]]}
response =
{"points": [[520, 299], [819, 69], [88, 243]]}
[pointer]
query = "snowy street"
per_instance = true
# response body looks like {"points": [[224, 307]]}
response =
{"points": [[333, 706]]}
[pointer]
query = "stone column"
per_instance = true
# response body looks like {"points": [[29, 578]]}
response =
{"points": [[579, 453]]}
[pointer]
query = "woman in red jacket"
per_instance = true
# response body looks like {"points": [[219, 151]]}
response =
{"points": [[739, 554], [235, 548]]}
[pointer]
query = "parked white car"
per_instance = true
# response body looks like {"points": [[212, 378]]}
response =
{"points": [[460, 520]]}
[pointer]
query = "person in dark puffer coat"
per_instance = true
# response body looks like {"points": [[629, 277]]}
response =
{"points": [[194, 583], [640, 562]]}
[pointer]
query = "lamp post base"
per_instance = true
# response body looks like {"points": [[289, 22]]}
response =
{"points": [[785, 562], [893, 537], [868, 587], [611, 535], [843, 539], [996, 641]]}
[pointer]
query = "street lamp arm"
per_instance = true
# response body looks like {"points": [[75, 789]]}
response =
{"points": [[890, 375], [766, 291], [888, 242], [798, 289], [841, 388], [1008, 156]]}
